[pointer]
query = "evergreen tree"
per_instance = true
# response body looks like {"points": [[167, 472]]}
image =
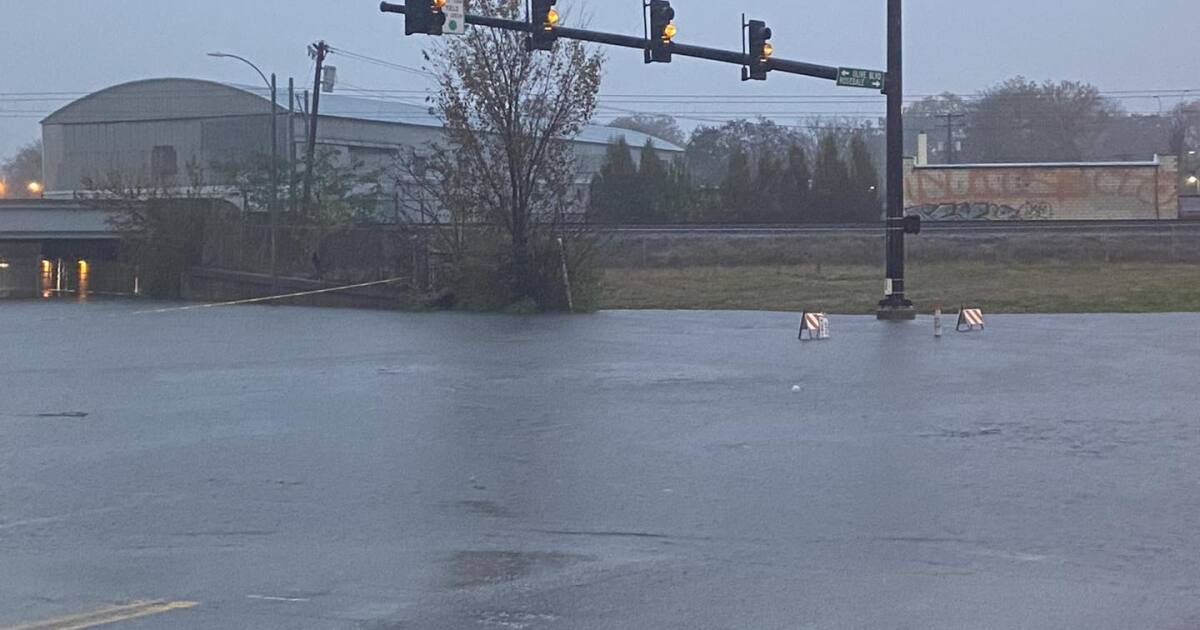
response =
{"points": [[864, 184], [613, 189], [795, 207], [680, 198], [769, 190], [737, 191], [830, 184], [651, 187]]}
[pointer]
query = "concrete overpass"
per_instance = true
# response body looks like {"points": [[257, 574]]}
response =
{"points": [[23, 220], [58, 247]]}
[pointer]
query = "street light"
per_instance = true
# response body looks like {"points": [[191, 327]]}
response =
{"points": [[274, 203], [1194, 181], [34, 188]]}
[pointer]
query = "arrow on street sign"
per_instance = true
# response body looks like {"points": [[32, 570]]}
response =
{"points": [[456, 17], [859, 78]]}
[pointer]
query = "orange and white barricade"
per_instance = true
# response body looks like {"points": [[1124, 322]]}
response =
{"points": [[969, 319], [815, 324]]}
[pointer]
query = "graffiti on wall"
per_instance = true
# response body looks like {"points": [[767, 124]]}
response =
{"points": [[1037, 192], [984, 211]]}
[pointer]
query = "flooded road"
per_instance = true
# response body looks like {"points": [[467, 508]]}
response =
{"points": [[304, 468]]}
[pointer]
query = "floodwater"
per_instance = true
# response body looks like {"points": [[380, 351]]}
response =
{"points": [[307, 468]]}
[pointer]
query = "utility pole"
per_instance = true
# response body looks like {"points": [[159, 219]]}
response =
{"points": [[291, 140], [320, 50], [950, 157], [274, 209], [894, 305]]}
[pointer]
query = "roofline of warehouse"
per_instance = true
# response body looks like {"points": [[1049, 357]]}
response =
{"points": [[659, 143]]}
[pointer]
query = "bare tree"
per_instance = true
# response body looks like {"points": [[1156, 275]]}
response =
{"points": [[505, 158], [660, 126], [1023, 121], [1185, 128], [163, 225], [17, 172], [345, 190]]}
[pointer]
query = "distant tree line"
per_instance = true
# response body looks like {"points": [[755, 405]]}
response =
{"points": [[1019, 120], [775, 183], [827, 171]]}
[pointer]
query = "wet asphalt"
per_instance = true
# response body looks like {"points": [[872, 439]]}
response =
{"points": [[311, 468]]}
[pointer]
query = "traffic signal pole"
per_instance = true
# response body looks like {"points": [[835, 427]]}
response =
{"points": [[895, 306], [640, 43]]}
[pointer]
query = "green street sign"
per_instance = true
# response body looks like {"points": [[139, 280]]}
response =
{"points": [[456, 17], [859, 78]]}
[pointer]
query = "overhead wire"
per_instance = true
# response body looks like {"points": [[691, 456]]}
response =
{"points": [[380, 62]]}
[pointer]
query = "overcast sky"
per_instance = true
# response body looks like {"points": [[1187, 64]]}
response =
{"points": [[73, 47]]}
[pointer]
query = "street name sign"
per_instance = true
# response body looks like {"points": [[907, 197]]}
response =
{"points": [[859, 78], [456, 17]]}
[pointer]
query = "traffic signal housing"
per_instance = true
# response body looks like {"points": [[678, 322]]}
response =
{"points": [[424, 17], [760, 51], [544, 19], [662, 31]]}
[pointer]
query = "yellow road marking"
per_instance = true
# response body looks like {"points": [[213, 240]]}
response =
{"points": [[105, 616]]}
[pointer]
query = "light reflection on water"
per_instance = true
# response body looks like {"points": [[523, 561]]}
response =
{"points": [[84, 275], [47, 279], [73, 278], [57, 279]]}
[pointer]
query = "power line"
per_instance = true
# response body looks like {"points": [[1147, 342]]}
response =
{"points": [[651, 96], [380, 62]]}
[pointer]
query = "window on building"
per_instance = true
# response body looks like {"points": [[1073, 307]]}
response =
{"points": [[163, 162]]}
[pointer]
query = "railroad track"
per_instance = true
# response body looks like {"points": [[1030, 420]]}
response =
{"points": [[929, 227]]}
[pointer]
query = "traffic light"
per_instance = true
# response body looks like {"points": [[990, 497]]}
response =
{"points": [[912, 224], [544, 18], [662, 31], [423, 17], [759, 35]]}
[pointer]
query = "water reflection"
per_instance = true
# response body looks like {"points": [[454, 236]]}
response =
{"points": [[47, 278], [84, 275], [57, 278]]}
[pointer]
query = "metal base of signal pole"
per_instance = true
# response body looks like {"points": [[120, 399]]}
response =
{"points": [[895, 307], [899, 312]]}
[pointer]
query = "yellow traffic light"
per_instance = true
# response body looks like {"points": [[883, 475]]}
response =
{"points": [[551, 19], [438, 4], [767, 50], [670, 32]]}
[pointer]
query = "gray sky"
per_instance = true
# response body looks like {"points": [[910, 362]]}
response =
{"points": [[73, 47]]}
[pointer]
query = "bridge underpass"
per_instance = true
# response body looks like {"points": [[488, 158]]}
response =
{"points": [[60, 248]]}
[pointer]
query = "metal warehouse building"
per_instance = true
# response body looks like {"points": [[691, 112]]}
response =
{"points": [[161, 132]]}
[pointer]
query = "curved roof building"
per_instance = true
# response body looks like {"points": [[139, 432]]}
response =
{"points": [[172, 130]]}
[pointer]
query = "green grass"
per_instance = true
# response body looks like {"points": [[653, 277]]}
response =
{"points": [[1048, 287]]}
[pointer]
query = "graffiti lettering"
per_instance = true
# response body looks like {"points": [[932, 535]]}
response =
{"points": [[1005, 193], [983, 211]]}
